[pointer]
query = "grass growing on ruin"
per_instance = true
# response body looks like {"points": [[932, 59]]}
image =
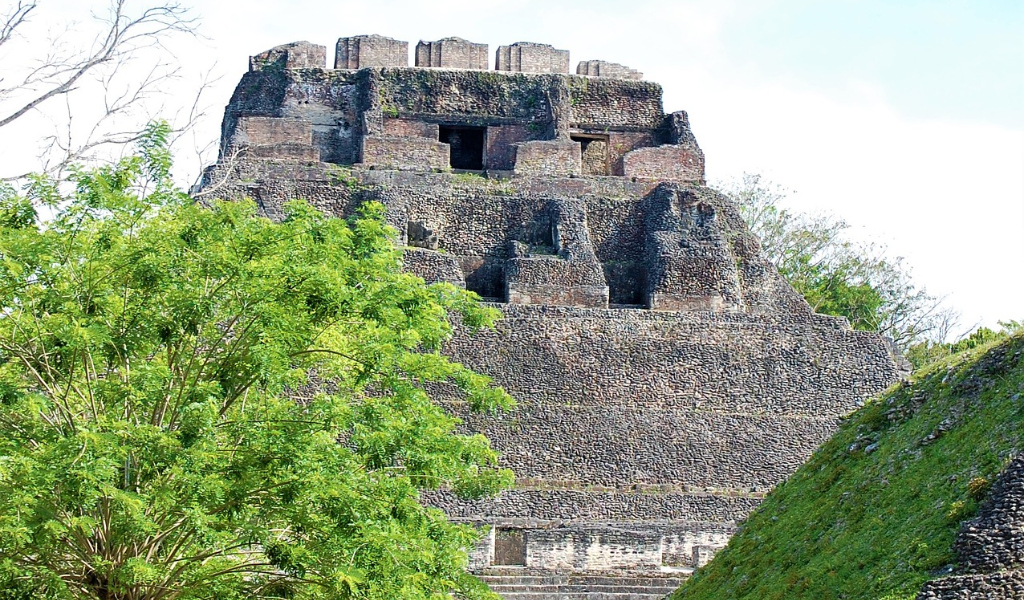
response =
{"points": [[874, 513]]}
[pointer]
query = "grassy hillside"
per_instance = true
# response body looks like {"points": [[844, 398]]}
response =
{"points": [[873, 514]]}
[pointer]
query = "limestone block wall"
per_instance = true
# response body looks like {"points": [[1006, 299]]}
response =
{"points": [[360, 51], [547, 158], [632, 416], [344, 106], [410, 128], [528, 281], [476, 219], [572, 276], [690, 399], [274, 138], [546, 505], [500, 144], [600, 68], [452, 53], [297, 55], [404, 153], [495, 97], [529, 57], [333, 102], [435, 266], [619, 104], [665, 163]]}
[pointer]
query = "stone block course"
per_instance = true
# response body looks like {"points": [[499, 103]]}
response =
{"points": [[452, 53], [600, 68], [274, 138], [297, 55], [665, 163], [547, 158], [404, 153], [361, 51], [528, 57]]}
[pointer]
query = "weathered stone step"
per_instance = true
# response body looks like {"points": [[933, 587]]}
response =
{"points": [[580, 579], [617, 589], [513, 586]]}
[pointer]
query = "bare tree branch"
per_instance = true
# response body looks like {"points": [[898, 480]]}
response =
{"points": [[105, 73], [13, 19]]}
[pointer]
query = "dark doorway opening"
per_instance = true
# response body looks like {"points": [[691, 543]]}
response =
{"points": [[485, 276], [467, 146], [594, 153], [509, 548]]}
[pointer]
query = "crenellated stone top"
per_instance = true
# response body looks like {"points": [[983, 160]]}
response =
{"points": [[362, 51]]}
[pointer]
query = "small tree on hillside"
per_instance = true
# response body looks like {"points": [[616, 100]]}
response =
{"points": [[163, 434], [837, 276]]}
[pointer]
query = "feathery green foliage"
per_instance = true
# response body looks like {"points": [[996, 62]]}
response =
{"points": [[196, 402]]}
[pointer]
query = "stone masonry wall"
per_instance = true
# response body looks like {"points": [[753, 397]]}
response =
{"points": [[614, 103], [528, 57], [638, 433], [665, 163], [404, 153], [361, 51], [344, 106], [452, 53], [547, 158], [274, 138], [990, 547], [297, 55], [641, 437], [332, 102], [600, 68]]}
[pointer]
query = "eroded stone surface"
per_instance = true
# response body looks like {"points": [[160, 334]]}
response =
{"points": [[600, 68], [528, 57], [990, 547], [452, 53]]}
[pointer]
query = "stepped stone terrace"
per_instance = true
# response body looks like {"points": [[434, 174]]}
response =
{"points": [[667, 377]]}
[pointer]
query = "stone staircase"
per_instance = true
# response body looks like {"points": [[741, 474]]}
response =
{"points": [[511, 585]]}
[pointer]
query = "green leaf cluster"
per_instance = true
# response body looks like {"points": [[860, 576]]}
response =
{"points": [[197, 402]]}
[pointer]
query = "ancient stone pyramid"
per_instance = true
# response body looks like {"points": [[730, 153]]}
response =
{"points": [[667, 377]]}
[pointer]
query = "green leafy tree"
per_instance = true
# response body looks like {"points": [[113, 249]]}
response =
{"points": [[928, 351], [837, 276], [196, 402]]}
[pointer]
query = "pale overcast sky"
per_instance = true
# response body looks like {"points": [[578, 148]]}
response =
{"points": [[906, 118]]}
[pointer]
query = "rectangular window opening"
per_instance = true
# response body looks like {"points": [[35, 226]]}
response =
{"points": [[466, 144]]}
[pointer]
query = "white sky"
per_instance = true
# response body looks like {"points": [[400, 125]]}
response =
{"points": [[903, 117]]}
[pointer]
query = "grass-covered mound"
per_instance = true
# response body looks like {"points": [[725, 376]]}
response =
{"points": [[874, 512]]}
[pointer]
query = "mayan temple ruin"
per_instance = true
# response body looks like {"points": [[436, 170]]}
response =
{"points": [[666, 376]]}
